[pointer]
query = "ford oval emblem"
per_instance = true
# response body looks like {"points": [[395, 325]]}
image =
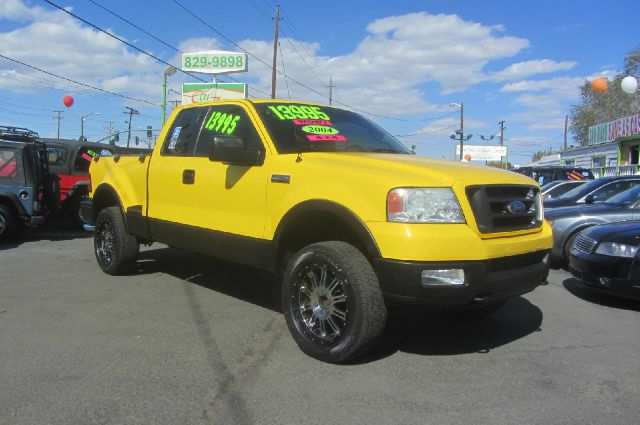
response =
{"points": [[516, 207]]}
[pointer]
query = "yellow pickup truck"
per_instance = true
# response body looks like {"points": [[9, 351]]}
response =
{"points": [[352, 220]]}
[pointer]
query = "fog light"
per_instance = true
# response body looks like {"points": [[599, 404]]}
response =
{"points": [[443, 277]]}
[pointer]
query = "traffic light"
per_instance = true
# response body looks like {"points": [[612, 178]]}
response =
{"points": [[149, 132], [115, 138], [137, 140]]}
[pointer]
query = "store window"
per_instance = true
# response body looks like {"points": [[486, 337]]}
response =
{"points": [[570, 162], [598, 161]]}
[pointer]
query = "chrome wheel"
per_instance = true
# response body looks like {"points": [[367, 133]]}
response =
{"points": [[322, 303], [105, 241]]}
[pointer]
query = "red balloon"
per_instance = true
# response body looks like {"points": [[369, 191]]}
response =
{"points": [[68, 101]]}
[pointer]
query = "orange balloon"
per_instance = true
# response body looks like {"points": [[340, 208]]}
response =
{"points": [[599, 85], [467, 157]]}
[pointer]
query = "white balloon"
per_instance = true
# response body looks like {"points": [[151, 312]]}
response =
{"points": [[629, 85]]}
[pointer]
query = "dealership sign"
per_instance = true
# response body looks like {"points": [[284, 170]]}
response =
{"points": [[214, 62], [483, 152], [608, 132], [206, 92]]}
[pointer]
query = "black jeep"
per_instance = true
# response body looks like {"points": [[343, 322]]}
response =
{"points": [[27, 189]]}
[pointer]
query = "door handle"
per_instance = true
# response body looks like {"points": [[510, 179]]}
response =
{"points": [[188, 176]]}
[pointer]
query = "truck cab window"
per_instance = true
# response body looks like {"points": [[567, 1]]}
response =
{"points": [[182, 136], [227, 121]]}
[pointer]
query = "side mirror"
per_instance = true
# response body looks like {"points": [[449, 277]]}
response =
{"points": [[232, 150], [590, 199]]}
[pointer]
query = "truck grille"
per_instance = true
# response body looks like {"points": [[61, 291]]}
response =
{"points": [[584, 244], [505, 208]]}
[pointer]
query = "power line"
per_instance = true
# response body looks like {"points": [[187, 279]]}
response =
{"points": [[134, 25], [286, 80], [76, 82], [427, 132], [138, 49]]}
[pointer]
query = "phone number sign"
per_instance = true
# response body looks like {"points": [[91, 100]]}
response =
{"points": [[214, 62]]}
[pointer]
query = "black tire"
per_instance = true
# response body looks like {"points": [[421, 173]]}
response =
{"points": [[74, 211], [345, 314], [477, 313], [115, 249], [8, 224]]}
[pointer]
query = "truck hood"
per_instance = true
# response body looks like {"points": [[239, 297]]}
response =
{"points": [[413, 170]]}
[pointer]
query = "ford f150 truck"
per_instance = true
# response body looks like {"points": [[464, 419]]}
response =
{"points": [[352, 219]]}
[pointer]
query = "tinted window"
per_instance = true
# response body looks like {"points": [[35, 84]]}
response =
{"points": [[182, 136], [301, 127], [86, 154], [625, 198], [56, 155], [8, 164], [227, 121], [611, 189]]}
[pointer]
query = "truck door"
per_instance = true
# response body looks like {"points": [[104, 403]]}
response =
{"points": [[200, 204]]}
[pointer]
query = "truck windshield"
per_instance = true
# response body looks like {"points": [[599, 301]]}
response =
{"points": [[303, 127]]}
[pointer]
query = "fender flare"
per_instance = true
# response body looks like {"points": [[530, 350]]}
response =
{"points": [[343, 213]]}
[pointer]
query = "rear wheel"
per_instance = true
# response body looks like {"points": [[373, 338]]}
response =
{"points": [[8, 224], [332, 302], [116, 250]]}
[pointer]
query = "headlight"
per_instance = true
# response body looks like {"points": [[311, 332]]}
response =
{"points": [[616, 249], [423, 205]]}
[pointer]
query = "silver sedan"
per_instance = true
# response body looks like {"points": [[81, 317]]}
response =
{"points": [[568, 221]]}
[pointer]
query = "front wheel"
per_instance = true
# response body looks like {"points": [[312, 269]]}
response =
{"points": [[8, 224], [332, 302], [116, 250]]}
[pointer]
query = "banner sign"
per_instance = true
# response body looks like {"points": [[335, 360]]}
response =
{"points": [[483, 152], [608, 132], [206, 92], [214, 62]]}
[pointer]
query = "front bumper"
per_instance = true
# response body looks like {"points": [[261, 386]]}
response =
{"points": [[486, 281], [604, 273]]}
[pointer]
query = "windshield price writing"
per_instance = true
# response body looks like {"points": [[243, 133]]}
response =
{"points": [[223, 123], [292, 112]]}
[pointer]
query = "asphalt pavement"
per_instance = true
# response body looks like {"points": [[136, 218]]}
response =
{"points": [[191, 340]]}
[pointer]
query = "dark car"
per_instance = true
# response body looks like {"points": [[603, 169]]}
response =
{"points": [[559, 187], [593, 191], [546, 174], [567, 222], [70, 160], [28, 191], [607, 258]]}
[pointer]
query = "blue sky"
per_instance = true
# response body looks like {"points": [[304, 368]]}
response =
{"points": [[521, 62]]}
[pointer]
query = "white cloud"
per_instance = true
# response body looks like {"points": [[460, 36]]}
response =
{"points": [[533, 67], [68, 48]]}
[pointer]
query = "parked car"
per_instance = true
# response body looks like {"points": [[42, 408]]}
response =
{"points": [[70, 160], [593, 191], [569, 221], [28, 191], [546, 174], [607, 258], [559, 187], [343, 210]]}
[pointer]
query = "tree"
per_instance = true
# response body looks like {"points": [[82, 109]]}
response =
{"points": [[597, 108]]}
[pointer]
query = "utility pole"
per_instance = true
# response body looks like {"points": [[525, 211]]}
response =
{"points": [[275, 54], [131, 113], [110, 129], [566, 130], [331, 86], [59, 117], [501, 140]]}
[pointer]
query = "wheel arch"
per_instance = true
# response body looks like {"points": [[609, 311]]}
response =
{"points": [[317, 221], [105, 196]]}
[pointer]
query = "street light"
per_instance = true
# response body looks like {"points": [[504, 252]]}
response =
{"points": [[461, 131], [82, 119], [167, 72]]}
